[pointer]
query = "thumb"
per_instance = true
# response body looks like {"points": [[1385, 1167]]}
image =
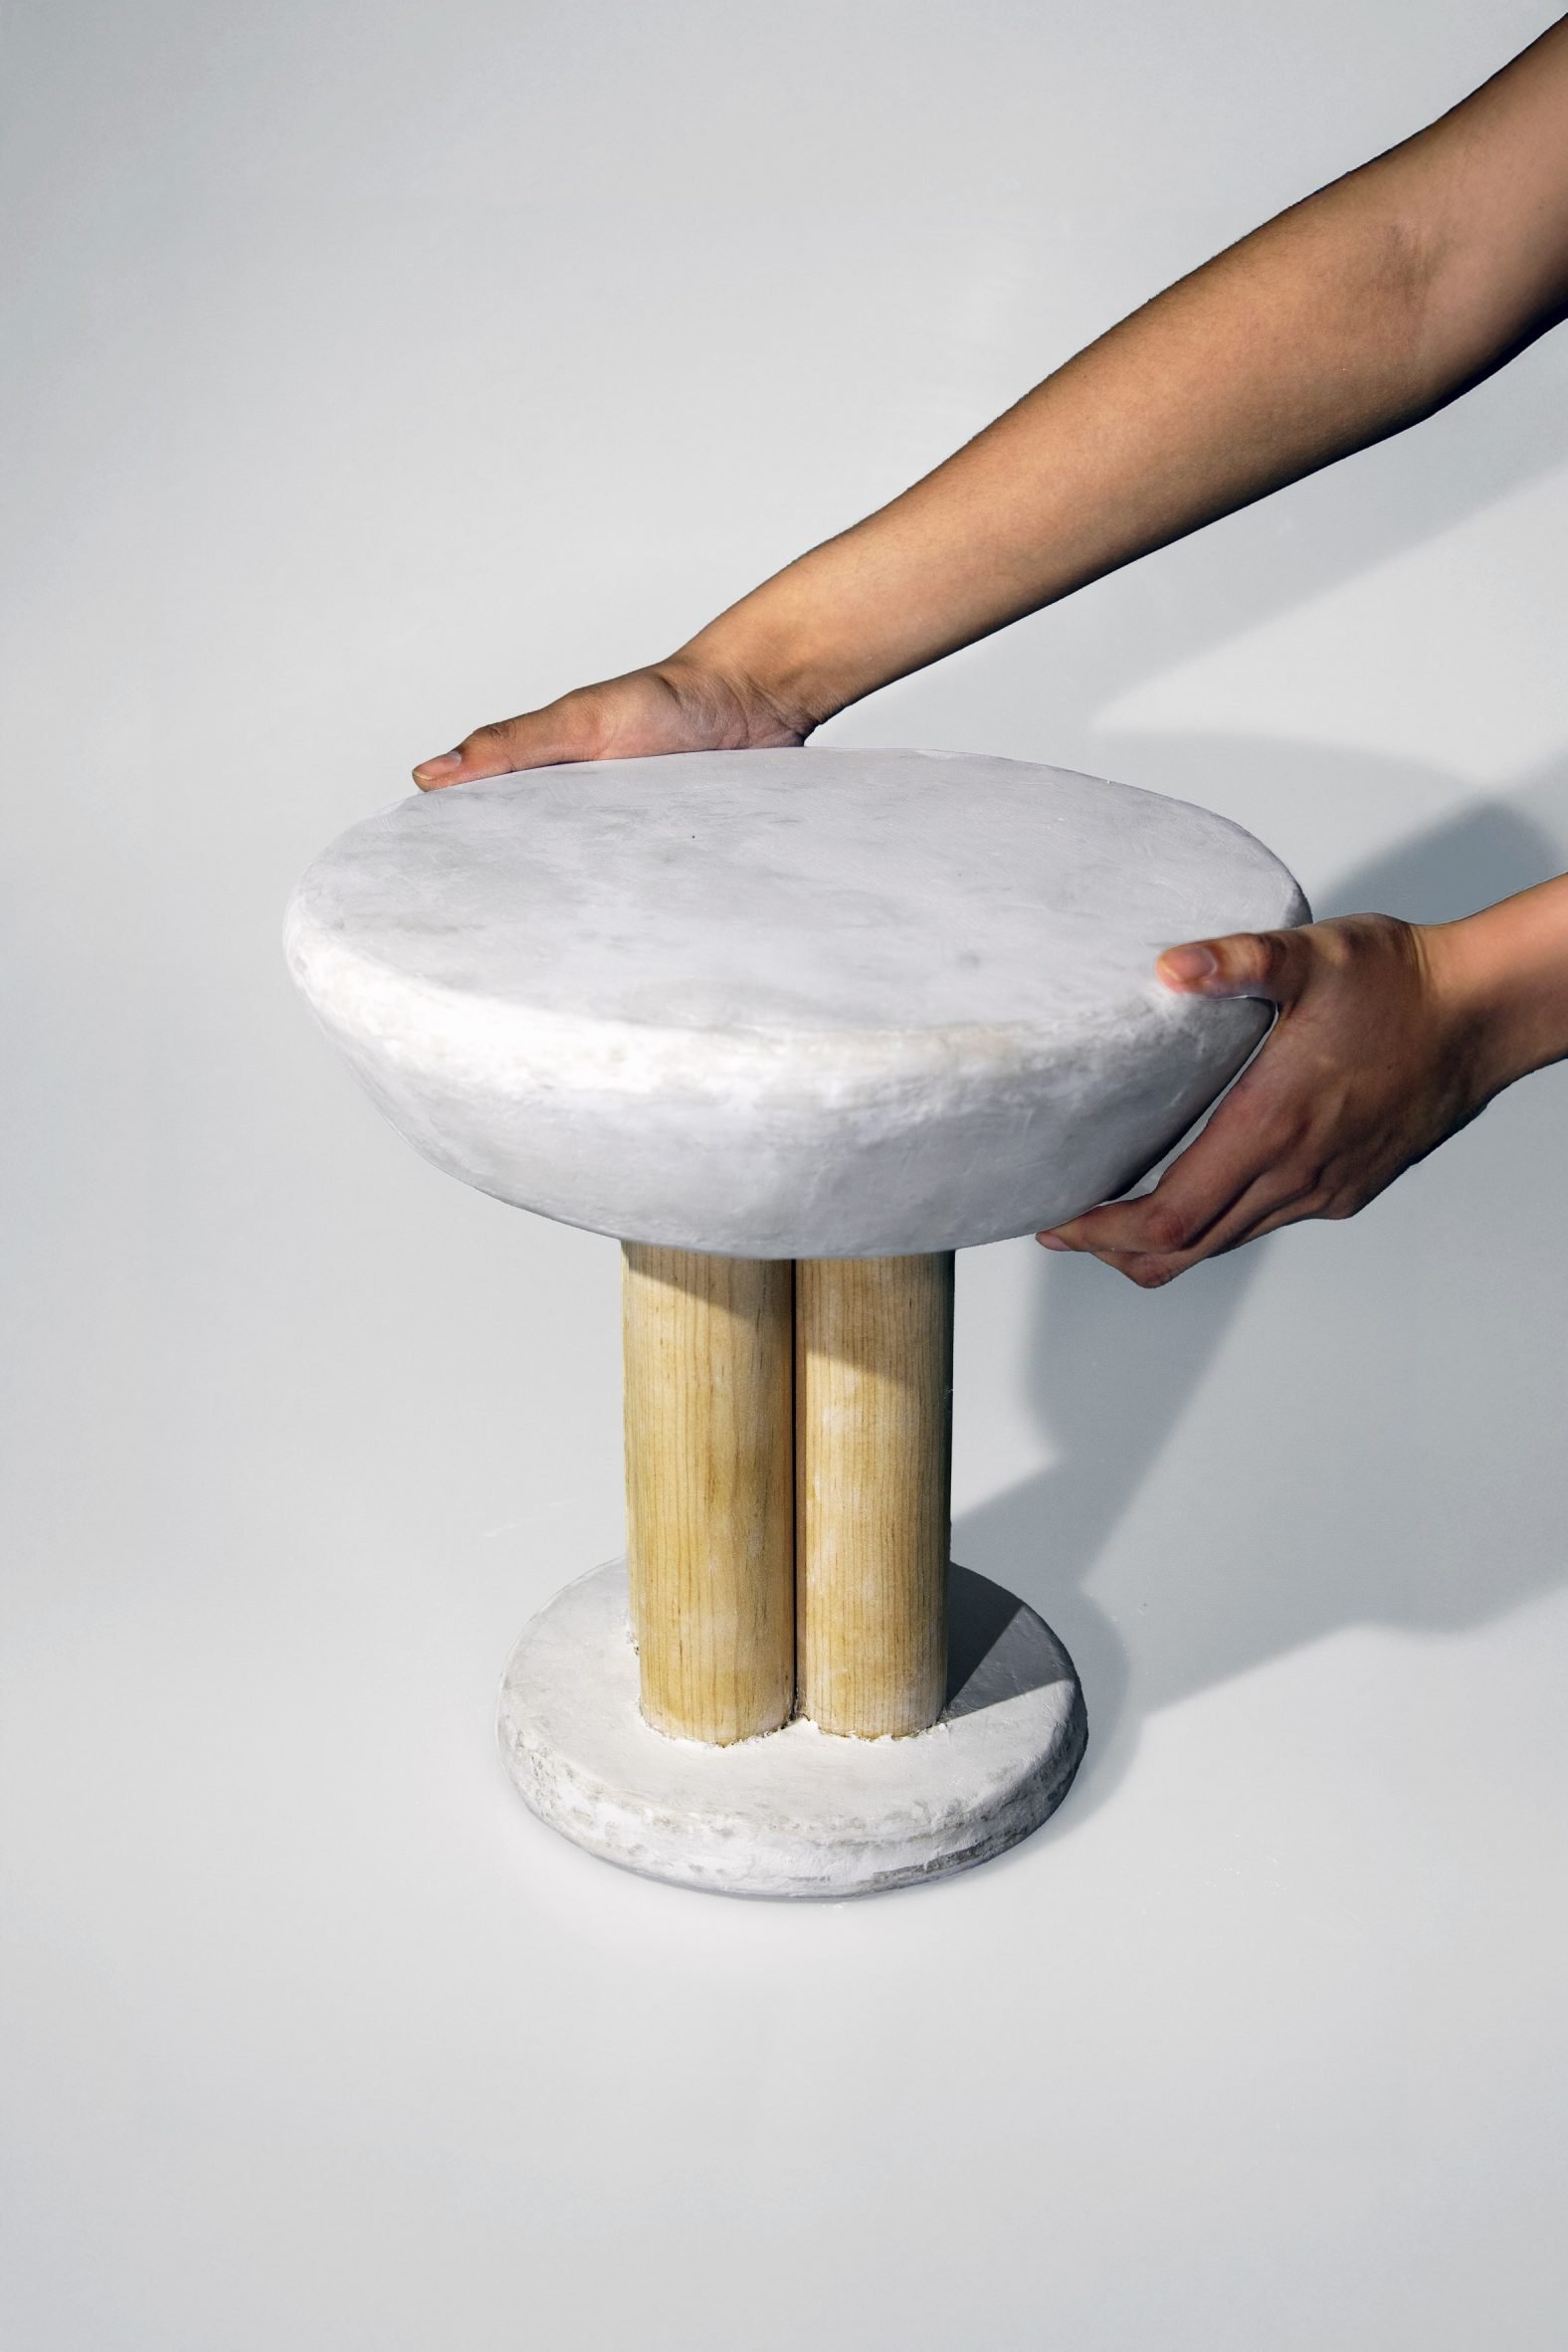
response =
{"points": [[1270, 964], [538, 739]]}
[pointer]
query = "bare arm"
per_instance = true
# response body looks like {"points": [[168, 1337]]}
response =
{"points": [[1348, 317]]}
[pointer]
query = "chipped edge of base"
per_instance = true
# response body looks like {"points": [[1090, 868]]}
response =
{"points": [[797, 1815]]}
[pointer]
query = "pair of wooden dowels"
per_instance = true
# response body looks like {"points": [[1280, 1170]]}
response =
{"points": [[788, 1459]]}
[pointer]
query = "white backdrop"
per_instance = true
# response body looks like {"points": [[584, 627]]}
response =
{"points": [[374, 370]]}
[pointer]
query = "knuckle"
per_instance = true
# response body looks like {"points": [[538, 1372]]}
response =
{"points": [[1166, 1228], [585, 718], [1255, 957]]}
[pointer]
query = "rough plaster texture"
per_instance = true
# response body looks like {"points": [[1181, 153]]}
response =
{"points": [[797, 1812], [812, 1003]]}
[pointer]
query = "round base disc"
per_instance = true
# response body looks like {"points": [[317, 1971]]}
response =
{"points": [[797, 1813]]}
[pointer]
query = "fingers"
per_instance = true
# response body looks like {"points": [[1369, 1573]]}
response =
{"points": [[1249, 1134], [538, 739], [1245, 1166], [1272, 1198], [1253, 1160], [1175, 1218], [1148, 1240], [1271, 964], [1353, 1084]]}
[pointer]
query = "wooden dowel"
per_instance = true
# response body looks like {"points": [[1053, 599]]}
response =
{"points": [[874, 1371], [708, 1505]]}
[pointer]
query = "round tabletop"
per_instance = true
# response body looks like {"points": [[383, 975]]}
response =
{"points": [[795, 1003]]}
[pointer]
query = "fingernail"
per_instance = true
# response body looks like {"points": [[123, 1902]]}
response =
{"points": [[1049, 1241], [1189, 963], [437, 768]]}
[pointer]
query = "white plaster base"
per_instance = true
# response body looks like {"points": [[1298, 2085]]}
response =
{"points": [[797, 1813]]}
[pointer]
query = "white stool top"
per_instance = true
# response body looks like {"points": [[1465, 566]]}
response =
{"points": [[786, 1004]]}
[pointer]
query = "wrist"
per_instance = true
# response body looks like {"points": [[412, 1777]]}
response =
{"points": [[732, 709], [828, 629], [1500, 979], [759, 649]]}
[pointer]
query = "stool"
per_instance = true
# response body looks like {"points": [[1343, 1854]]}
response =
{"points": [[793, 1027]]}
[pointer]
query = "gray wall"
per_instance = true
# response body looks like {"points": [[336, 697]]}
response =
{"points": [[374, 370]]}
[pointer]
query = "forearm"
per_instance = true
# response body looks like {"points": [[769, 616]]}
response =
{"points": [[1341, 322]]}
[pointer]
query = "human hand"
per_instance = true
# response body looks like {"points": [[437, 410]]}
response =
{"points": [[680, 705], [1381, 1052]]}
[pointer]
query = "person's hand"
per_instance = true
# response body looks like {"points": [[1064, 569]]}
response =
{"points": [[1377, 1057], [680, 705]]}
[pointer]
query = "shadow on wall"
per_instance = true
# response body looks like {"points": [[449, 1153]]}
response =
{"points": [[1111, 1369]]}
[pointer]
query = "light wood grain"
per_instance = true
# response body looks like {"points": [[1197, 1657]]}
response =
{"points": [[708, 1473], [874, 1451]]}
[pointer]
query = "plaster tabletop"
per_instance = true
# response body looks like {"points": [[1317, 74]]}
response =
{"points": [[786, 1003]]}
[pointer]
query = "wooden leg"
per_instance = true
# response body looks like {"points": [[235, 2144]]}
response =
{"points": [[708, 1469], [874, 1451]]}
